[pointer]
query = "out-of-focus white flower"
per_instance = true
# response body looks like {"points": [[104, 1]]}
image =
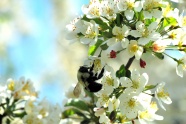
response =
{"points": [[93, 10], [130, 105], [54, 114], [162, 96], [134, 49], [181, 66], [42, 111], [74, 28], [99, 111], [113, 104], [33, 119], [150, 8], [128, 6], [137, 82], [90, 32], [104, 119], [181, 20], [145, 34], [149, 114], [120, 35], [22, 89]]}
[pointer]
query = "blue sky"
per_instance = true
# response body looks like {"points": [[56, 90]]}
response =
{"points": [[32, 54]]}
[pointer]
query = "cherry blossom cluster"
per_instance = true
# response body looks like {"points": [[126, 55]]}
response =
{"points": [[19, 104], [132, 28]]}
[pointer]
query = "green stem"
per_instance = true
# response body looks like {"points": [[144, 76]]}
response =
{"points": [[170, 57]]}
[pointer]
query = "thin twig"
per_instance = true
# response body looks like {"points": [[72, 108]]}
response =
{"points": [[129, 62]]}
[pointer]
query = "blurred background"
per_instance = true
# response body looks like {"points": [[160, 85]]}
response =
{"points": [[33, 45]]}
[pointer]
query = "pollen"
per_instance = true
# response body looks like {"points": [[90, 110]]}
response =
{"points": [[135, 84], [132, 103], [163, 94], [120, 37], [144, 114], [167, 10], [97, 64], [130, 5], [184, 21], [134, 48], [173, 35], [145, 33], [105, 98], [95, 11], [109, 11], [11, 85], [109, 81]]}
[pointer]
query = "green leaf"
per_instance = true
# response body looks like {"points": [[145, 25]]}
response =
{"points": [[92, 49], [104, 46], [78, 104], [121, 72], [148, 45], [149, 87], [107, 34], [69, 112], [169, 21], [159, 55]]}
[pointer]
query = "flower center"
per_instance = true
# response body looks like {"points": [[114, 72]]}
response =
{"points": [[109, 81], [97, 65], [144, 114], [134, 48], [95, 11], [130, 5], [162, 94], [135, 85], [90, 33], [145, 33], [132, 103], [120, 36], [11, 86], [184, 21]]}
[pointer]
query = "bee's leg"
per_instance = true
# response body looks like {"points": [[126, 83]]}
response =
{"points": [[92, 67], [101, 73]]}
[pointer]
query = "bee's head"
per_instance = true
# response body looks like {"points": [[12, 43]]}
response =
{"points": [[83, 69]]}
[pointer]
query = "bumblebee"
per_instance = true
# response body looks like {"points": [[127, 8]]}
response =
{"points": [[87, 78]]}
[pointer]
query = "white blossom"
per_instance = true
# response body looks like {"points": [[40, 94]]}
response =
{"points": [[136, 83], [145, 34], [90, 33], [134, 49], [150, 9], [130, 105], [120, 35], [162, 96], [128, 6]]}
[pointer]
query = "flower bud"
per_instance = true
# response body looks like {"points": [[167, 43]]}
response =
{"points": [[142, 63], [113, 54]]}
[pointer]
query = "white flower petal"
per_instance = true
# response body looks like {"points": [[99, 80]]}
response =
{"points": [[126, 82], [124, 42], [129, 14], [135, 75], [139, 53], [135, 33], [179, 70]]}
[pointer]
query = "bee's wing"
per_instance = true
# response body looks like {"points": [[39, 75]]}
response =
{"points": [[77, 90]]}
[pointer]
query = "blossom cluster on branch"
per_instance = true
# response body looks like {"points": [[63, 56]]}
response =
{"points": [[132, 28], [19, 104]]}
